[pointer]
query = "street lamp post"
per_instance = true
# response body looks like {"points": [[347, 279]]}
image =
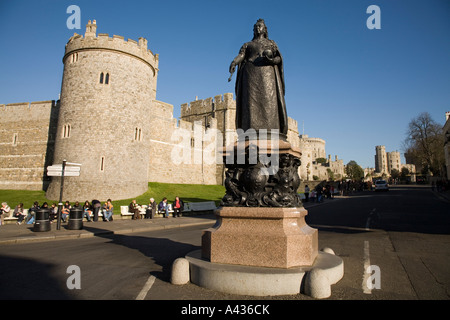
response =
{"points": [[60, 204]]}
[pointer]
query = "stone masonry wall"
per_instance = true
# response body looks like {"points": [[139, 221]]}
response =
{"points": [[27, 133], [166, 164]]}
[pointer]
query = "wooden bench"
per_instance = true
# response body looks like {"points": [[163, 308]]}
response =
{"points": [[12, 219], [124, 211]]}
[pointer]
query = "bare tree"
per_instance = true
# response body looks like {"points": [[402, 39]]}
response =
{"points": [[424, 144]]}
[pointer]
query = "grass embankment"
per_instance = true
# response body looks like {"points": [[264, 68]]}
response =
{"points": [[186, 192]]}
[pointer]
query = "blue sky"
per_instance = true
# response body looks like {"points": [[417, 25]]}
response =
{"points": [[353, 87]]}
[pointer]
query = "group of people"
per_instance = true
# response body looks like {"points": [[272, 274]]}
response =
{"points": [[319, 192], [152, 209], [90, 210], [21, 214]]}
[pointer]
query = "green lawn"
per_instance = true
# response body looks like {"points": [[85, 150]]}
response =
{"points": [[187, 192]]}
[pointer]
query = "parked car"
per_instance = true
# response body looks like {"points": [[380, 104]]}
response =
{"points": [[381, 185]]}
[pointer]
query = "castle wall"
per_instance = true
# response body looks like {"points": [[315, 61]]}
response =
{"points": [[27, 133], [221, 110], [168, 162], [292, 134]]}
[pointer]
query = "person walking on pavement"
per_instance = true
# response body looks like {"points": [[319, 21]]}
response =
{"points": [[307, 193]]}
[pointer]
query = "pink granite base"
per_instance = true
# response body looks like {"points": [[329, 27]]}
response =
{"points": [[263, 237]]}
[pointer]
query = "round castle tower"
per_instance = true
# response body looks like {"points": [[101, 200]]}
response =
{"points": [[107, 91]]}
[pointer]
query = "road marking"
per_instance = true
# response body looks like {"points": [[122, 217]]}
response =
{"points": [[148, 285], [366, 275]]}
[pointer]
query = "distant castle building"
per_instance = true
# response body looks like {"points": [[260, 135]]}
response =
{"points": [[381, 160], [393, 161], [385, 162], [313, 149], [108, 119]]}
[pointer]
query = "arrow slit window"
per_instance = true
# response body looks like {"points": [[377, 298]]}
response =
{"points": [[102, 164], [66, 131], [15, 138], [138, 134]]}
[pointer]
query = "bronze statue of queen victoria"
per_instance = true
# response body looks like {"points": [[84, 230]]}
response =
{"points": [[260, 84], [260, 106]]}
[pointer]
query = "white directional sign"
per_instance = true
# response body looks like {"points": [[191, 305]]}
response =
{"points": [[69, 171], [59, 174]]}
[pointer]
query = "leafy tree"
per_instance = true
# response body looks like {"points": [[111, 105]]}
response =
{"points": [[330, 174], [354, 171], [404, 173], [424, 144], [395, 174]]}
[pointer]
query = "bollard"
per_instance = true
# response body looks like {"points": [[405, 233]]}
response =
{"points": [[41, 220], [75, 219]]}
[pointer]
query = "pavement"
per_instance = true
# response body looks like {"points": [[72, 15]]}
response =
{"points": [[24, 233], [12, 233]]}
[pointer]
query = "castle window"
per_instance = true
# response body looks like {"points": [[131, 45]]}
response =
{"points": [[15, 138], [104, 78], [66, 131], [138, 134], [102, 164], [74, 57]]}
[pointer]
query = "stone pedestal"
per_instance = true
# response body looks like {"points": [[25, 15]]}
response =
{"points": [[261, 237]]}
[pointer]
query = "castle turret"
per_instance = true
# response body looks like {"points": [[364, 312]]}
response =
{"points": [[91, 29], [107, 92]]}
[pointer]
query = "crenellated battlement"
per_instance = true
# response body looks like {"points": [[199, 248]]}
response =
{"points": [[208, 105], [103, 41], [25, 111], [293, 125]]}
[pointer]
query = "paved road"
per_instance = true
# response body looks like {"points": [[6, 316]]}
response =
{"points": [[405, 232]]}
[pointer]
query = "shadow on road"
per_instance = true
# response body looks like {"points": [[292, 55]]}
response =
{"points": [[28, 279], [402, 208], [162, 251]]}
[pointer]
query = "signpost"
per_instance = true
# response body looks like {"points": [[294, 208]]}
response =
{"points": [[66, 169]]}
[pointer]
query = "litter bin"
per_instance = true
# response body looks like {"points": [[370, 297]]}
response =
{"points": [[75, 219], [41, 220]]}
